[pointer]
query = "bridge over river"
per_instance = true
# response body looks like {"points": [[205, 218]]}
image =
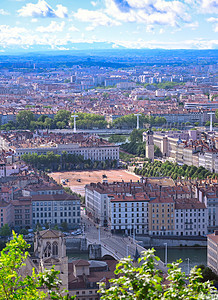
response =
{"points": [[115, 246]]}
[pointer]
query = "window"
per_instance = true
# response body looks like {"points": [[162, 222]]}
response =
{"points": [[47, 251], [55, 249]]}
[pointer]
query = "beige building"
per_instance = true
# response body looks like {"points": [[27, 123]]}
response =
{"points": [[212, 251], [161, 216]]}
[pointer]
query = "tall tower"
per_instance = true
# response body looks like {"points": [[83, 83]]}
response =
{"points": [[149, 148]]}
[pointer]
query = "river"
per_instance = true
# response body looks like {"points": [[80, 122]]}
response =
{"points": [[196, 256]]}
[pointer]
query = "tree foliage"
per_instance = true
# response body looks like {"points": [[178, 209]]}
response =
{"points": [[30, 287], [143, 281], [157, 168], [136, 146], [129, 121], [90, 121], [56, 162], [117, 138], [164, 85], [24, 119], [5, 230]]}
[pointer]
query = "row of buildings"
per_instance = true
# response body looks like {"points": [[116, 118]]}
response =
{"points": [[28, 200], [148, 208], [90, 147], [192, 147]]}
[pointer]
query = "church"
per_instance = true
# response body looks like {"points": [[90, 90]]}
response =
{"points": [[79, 277]]}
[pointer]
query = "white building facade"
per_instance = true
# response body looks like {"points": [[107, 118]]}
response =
{"points": [[190, 219], [129, 214]]}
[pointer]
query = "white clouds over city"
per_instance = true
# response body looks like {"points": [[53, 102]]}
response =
{"points": [[95, 18], [43, 10], [124, 23], [52, 27]]}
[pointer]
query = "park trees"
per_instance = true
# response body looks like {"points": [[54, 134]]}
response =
{"points": [[90, 121], [24, 119], [174, 170], [62, 118], [143, 281], [129, 121]]}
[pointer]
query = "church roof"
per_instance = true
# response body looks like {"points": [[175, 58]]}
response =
{"points": [[50, 233], [81, 262]]}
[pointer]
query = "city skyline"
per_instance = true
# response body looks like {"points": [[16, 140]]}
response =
{"points": [[35, 25]]}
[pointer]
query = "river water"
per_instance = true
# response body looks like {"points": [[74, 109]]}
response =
{"points": [[197, 256]]}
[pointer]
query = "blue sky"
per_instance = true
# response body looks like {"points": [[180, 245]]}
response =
{"points": [[138, 24]]}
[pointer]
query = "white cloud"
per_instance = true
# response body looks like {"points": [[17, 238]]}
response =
{"points": [[193, 25], [73, 28], [185, 44], [52, 27], [150, 28], [42, 10], [150, 12], [215, 23], [209, 6], [212, 20], [94, 3], [19, 37], [4, 12], [96, 18]]}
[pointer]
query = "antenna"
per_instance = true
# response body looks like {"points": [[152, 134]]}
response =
{"points": [[74, 116], [137, 115], [211, 120]]}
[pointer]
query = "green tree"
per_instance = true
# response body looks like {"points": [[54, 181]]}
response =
{"points": [[24, 119], [116, 138], [64, 226], [208, 274], [62, 116], [23, 231], [136, 135], [142, 280], [36, 286], [5, 230]]}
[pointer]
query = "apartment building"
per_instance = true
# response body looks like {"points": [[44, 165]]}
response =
{"points": [[22, 212], [6, 213], [208, 195], [56, 209], [182, 149], [190, 217], [161, 216], [212, 251], [129, 213], [147, 208], [97, 203]]}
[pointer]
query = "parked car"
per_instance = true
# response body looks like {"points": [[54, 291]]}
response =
{"points": [[66, 233]]}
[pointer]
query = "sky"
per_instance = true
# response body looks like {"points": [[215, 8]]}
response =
{"points": [[135, 24]]}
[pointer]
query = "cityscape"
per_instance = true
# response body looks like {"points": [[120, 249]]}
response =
{"points": [[108, 150]]}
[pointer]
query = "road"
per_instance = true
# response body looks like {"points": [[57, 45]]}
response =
{"points": [[94, 131], [118, 246]]}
